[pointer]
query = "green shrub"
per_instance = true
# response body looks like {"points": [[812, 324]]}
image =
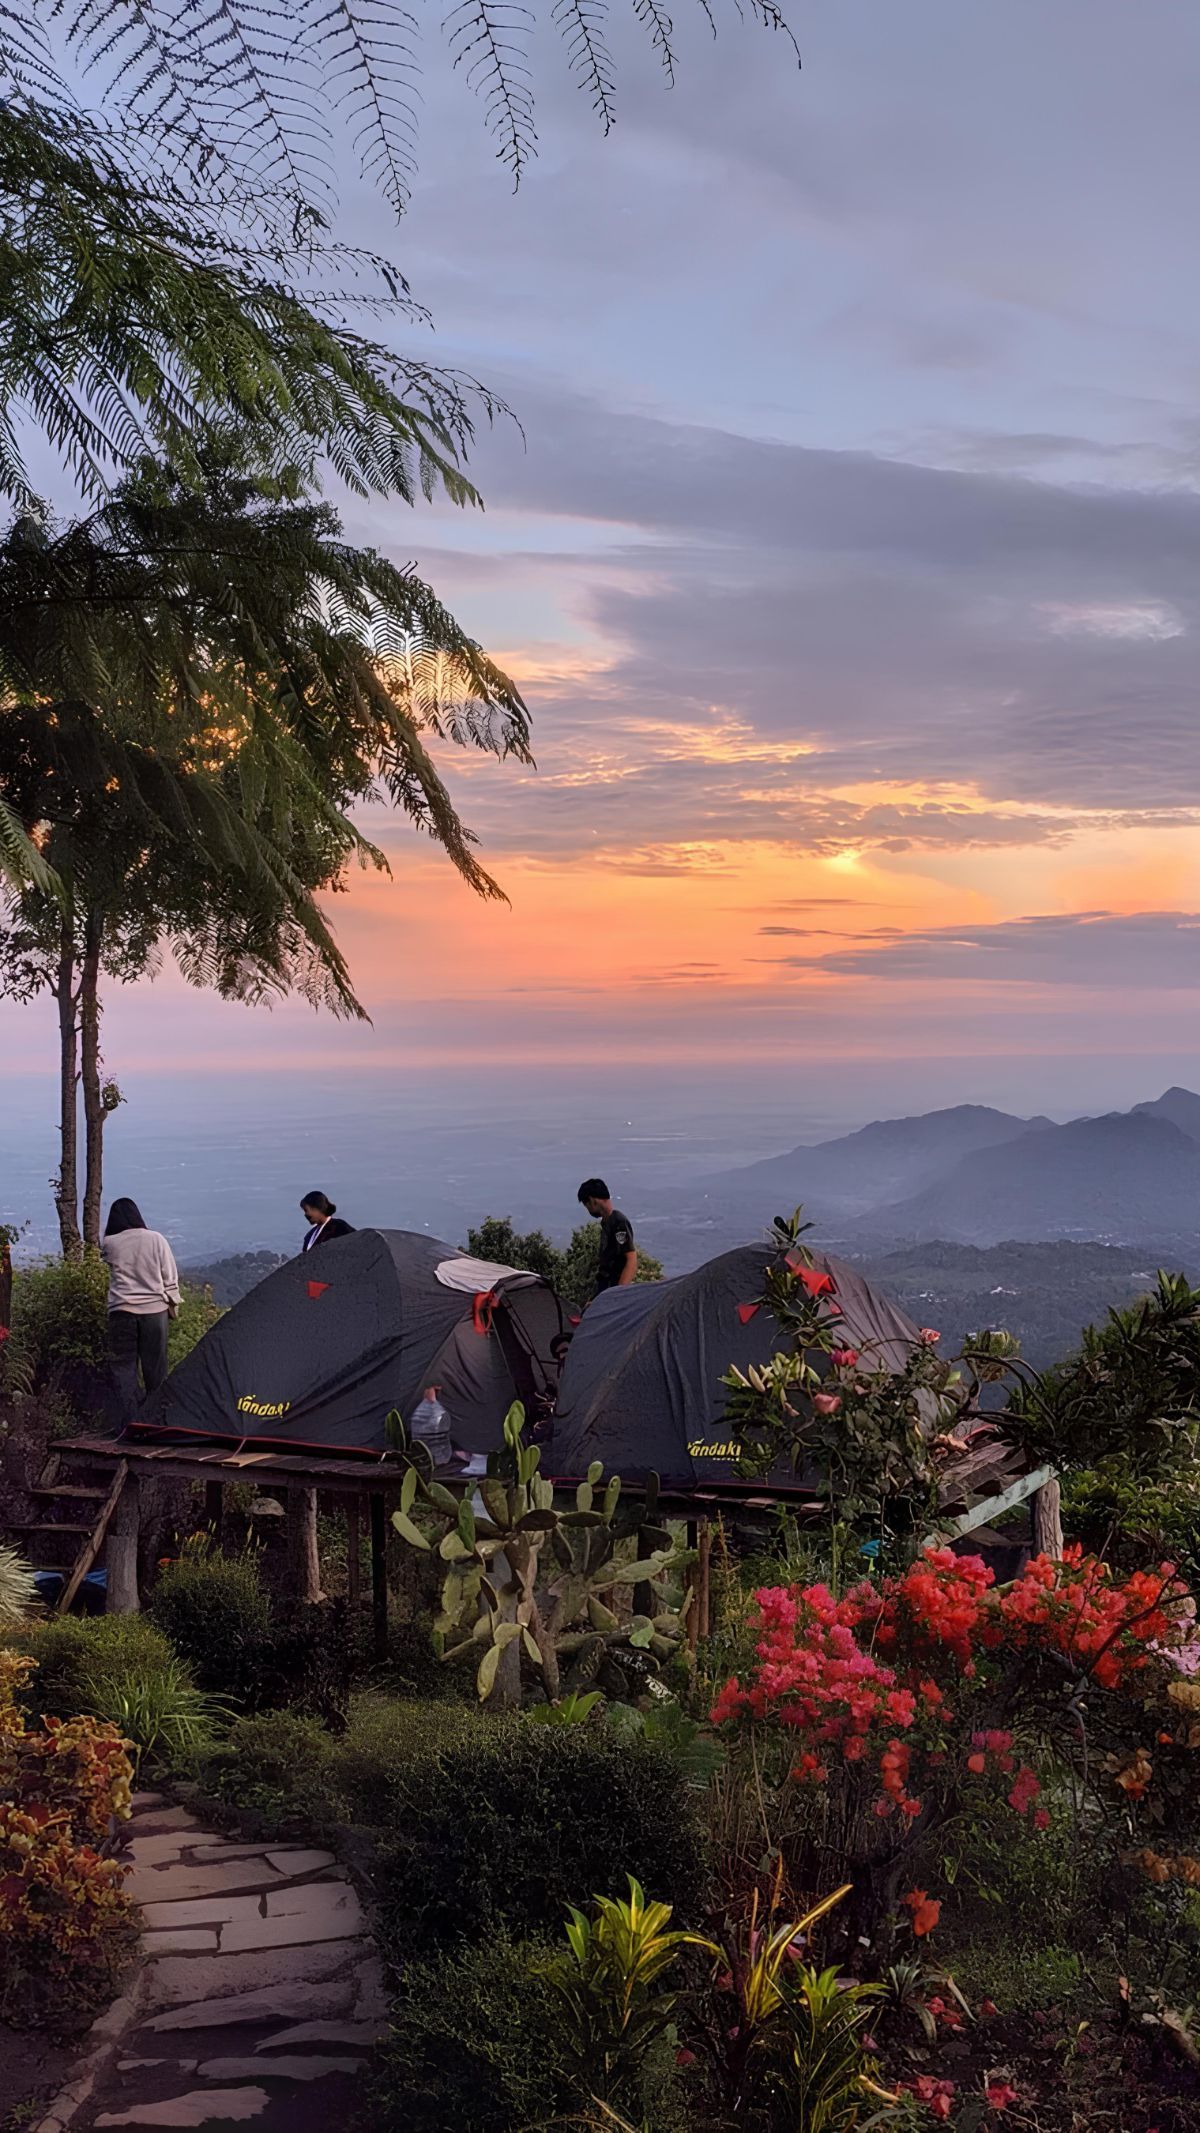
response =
{"points": [[474, 2043], [385, 1736], [215, 1612], [196, 1313], [84, 1662], [506, 1826], [279, 1766]]}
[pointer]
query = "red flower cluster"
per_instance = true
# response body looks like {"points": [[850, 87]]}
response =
{"points": [[872, 1677], [1073, 1607], [937, 2096]]}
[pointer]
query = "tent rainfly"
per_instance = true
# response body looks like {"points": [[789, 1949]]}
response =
{"points": [[316, 1356], [641, 1386]]}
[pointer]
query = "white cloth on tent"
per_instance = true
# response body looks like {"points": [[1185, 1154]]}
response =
{"points": [[475, 1277]]}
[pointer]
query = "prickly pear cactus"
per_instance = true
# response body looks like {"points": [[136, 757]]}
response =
{"points": [[538, 1577]]}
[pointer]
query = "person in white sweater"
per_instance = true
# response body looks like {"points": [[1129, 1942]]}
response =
{"points": [[143, 1297]]}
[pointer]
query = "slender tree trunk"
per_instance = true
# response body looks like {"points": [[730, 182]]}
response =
{"points": [[66, 1190], [93, 1099]]}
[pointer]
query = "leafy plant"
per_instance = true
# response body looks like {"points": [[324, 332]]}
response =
{"points": [[18, 1588], [475, 2041], [528, 1572], [66, 1927], [871, 1439], [213, 1609], [616, 2003], [573, 1709], [699, 1751], [162, 1713], [84, 1661], [822, 2074], [500, 1825], [1129, 1401]]}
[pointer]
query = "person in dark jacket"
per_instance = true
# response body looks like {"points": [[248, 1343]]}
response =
{"points": [[322, 1218], [618, 1254]]}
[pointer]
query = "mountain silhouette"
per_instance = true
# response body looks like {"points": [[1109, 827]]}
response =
{"points": [[861, 1171], [1126, 1178]]}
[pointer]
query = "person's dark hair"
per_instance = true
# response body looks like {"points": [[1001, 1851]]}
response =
{"points": [[318, 1202], [592, 1189], [123, 1215]]}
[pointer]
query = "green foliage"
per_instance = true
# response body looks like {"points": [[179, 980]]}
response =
{"points": [[573, 1709], [59, 1324], [571, 1270], [506, 1827], [162, 1713], [280, 1767], [85, 1662], [173, 306], [18, 1591], [699, 1753], [213, 1609], [1128, 1403], [865, 1435], [617, 2003], [196, 1315], [534, 1577], [253, 110], [475, 2041], [386, 1736], [816, 2072]]}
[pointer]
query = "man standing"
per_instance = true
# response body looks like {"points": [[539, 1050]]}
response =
{"points": [[618, 1254]]}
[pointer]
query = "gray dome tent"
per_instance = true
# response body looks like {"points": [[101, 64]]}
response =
{"points": [[641, 1386], [316, 1355]]}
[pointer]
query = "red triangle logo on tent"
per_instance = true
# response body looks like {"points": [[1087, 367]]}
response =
{"points": [[748, 1311], [315, 1289]]}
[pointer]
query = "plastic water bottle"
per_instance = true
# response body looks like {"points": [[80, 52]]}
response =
{"points": [[431, 1427]]}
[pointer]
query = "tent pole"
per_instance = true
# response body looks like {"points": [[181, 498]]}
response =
{"points": [[379, 1607], [353, 1564]]}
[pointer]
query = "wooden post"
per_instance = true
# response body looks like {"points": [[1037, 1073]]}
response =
{"points": [[302, 1544], [702, 1578], [353, 1562], [121, 1553], [214, 1508], [1047, 1521], [379, 1597]]}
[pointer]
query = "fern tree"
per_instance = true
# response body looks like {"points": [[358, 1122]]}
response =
{"points": [[273, 83], [197, 687]]}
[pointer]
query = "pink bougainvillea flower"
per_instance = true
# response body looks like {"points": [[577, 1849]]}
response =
{"points": [[929, 1338], [1000, 2093], [988, 2008], [843, 1358], [827, 1403]]}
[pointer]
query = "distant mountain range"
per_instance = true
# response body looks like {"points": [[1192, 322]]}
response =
{"points": [[968, 1216], [970, 1175]]}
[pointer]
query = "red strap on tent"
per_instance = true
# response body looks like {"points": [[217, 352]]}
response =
{"points": [[748, 1311], [315, 1289], [482, 1309]]}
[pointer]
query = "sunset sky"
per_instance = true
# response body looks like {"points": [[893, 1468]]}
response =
{"points": [[849, 560]]}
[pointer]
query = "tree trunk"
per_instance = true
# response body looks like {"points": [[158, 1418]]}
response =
{"points": [[302, 1545], [121, 1553], [66, 1190], [93, 1099], [1047, 1521]]}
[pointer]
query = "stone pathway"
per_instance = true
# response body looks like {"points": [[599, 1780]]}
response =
{"points": [[261, 1994]]}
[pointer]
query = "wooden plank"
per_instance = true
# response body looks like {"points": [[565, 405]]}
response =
{"points": [[92, 1546], [984, 1514]]}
